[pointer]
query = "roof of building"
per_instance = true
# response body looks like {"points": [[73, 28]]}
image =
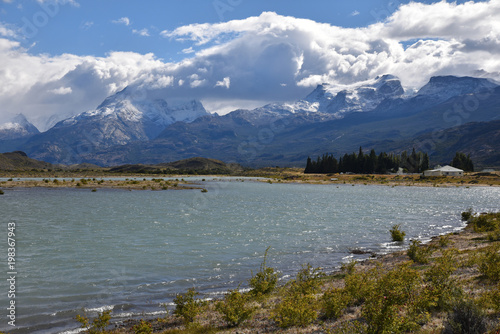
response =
{"points": [[447, 169]]}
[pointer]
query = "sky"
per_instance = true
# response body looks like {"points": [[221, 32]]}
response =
{"points": [[59, 58]]}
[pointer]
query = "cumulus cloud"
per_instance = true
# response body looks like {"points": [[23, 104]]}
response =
{"points": [[262, 59], [123, 20]]}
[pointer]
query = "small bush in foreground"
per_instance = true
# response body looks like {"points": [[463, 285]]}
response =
{"points": [[466, 318], [489, 262], [466, 215], [98, 325], [187, 307], [265, 281], [334, 302], [396, 233], [419, 253], [295, 309], [234, 308], [143, 327], [308, 280], [485, 222]]}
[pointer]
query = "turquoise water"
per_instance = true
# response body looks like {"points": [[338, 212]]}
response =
{"points": [[131, 251]]}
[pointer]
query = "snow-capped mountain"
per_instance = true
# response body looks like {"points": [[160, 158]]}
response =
{"points": [[17, 127], [443, 88], [132, 115], [360, 97]]}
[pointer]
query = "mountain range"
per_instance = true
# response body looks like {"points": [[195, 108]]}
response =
{"points": [[144, 126]]}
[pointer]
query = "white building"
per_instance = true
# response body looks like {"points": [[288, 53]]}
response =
{"points": [[444, 171]]}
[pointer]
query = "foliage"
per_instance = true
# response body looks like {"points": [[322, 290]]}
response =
{"points": [[143, 327], [264, 281], [491, 299], [98, 325], [419, 253], [187, 307], [444, 240], [463, 161], [333, 303], [295, 309], [466, 215], [348, 327], [308, 280], [485, 222], [396, 233], [349, 267], [234, 308], [442, 290], [393, 305], [489, 262], [362, 163], [466, 317], [359, 285]]}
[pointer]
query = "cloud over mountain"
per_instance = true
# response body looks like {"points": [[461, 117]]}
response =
{"points": [[269, 57]]}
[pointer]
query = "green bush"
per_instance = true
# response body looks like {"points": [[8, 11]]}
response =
{"points": [[419, 253], [485, 222], [466, 318], [143, 327], [265, 281], [187, 307], [466, 215], [234, 308], [98, 325], [396, 233], [489, 262], [295, 309], [308, 280], [443, 291], [359, 285], [392, 306], [334, 302]]}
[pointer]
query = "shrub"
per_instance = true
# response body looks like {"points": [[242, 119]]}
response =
{"points": [[234, 308], [143, 327], [348, 327], [444, 240], [333, 303], [98, 325], [466, 215], [396, 233], [359, 285], [265, 281], [308, 280], [295, 309], [187, 307], [349, 267], [419, 253], [392, 306], [489, 262], [485, 222], [1, 192], [441, 287], [491, 299], [466, 318]]}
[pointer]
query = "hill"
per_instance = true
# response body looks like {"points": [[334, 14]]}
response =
{"points": [[196, 165], [19, 160]]}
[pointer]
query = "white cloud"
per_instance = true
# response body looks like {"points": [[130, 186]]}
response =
{"points": [[355, 13], [265, 58], [123, 20], [87, 25], [226, 83], [143, 32], [188, 50], [6, 32], [62, 2]]}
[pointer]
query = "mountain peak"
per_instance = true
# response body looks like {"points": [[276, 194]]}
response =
{"points": [[444, 87], [17, 127]]}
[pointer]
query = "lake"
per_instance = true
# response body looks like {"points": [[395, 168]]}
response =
{"points": [[131, 251]]}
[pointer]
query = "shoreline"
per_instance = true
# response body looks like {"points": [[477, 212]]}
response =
{"points": [[465, 242]]}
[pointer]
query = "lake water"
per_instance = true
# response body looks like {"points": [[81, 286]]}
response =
{"points": [[130, 251]]}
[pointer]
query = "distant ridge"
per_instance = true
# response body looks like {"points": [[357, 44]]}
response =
{"points": [[197, 165], [19, 160]]}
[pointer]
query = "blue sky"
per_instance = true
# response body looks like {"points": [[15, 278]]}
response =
{"points": [[63, 57], [93, 27]]}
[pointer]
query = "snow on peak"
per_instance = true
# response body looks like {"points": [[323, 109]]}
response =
{"points": [[146, 107], [443, 88], [359, 97], [17, 127]]}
